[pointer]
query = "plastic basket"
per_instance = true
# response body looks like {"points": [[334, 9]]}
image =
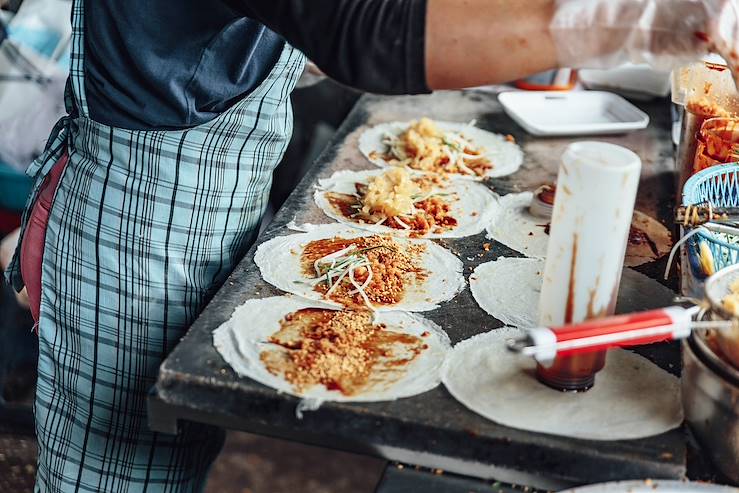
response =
{"points": [[719, 186]]}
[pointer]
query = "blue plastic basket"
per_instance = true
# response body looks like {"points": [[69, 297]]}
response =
{"points": [[718, 185]]}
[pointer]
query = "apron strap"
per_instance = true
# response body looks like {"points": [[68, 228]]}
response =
{"points": [[77, 58]]}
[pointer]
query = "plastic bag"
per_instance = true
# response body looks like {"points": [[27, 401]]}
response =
{"points": [[662, 33], [34, 64]]}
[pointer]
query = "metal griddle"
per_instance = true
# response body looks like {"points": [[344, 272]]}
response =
{"points": [[432, 429]]}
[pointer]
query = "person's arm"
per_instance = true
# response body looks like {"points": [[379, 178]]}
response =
{"points": [[372, 45], [412, 46], [474, 42], [478, 42]]}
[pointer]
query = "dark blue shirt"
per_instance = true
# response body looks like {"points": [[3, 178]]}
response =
{"points": [[157, 64], [167, 65]]}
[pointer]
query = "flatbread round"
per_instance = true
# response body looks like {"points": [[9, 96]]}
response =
{"points": [[509, 290], [279, 261], [515, 227], [506, 156], [472, 204], [499, 385], [243, 338]]}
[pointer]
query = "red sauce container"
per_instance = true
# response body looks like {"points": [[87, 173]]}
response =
{"points": [[717, 143]]}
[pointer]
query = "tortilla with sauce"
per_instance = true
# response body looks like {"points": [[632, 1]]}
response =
{"points": [[508, 289], [300, 348], [346, 267], [397, 202], [455, 149]]}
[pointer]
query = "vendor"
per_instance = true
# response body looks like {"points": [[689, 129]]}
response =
{"points": [[153, 187]]}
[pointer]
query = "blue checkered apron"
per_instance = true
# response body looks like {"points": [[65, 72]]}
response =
{"points": [[144, 226]]}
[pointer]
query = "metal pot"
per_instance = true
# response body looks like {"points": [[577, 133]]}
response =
{"points": [[710, 393], [718, 287]]}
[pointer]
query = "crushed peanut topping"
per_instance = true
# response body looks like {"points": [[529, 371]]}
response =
{"points": [[342, 351]]}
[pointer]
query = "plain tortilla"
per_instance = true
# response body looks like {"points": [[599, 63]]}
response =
{"points": [[509, 290], [473, 207], [506, 156], [279, 263], [242, 338], [632, 398], [515, 227]]}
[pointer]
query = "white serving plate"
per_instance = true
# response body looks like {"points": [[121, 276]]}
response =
{"points": [[573, 113]]}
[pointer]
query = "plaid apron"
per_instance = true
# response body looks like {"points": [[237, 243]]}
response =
{"points": [[144, 226]]}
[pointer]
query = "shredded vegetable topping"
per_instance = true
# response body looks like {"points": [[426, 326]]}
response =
{"points": [[424, 147], [362, 272]]}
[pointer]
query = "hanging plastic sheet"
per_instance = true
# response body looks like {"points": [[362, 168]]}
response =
{"points": [[34, 63]]}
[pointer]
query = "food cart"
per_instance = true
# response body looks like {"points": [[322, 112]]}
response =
{"points": [[432, 430]]}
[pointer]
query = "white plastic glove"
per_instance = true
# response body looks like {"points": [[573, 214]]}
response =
{"points": [[662, 33]]}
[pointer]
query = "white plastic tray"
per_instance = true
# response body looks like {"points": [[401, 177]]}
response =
{"points": [[573, 113]]}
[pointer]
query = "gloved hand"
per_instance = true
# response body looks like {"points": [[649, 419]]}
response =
{"points": [[662, 33]]}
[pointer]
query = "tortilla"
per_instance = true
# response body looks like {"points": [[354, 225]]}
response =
{"points": [[499, 385], [515, 227], [279, 261], [506, 156], [241, 341], [472, 205], [509, 290]]}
